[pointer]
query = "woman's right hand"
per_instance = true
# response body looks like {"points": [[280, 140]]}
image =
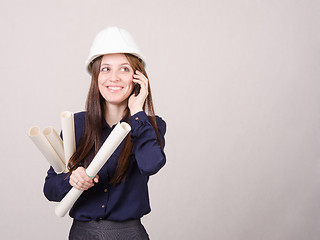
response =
{"points": [[80, 180]]}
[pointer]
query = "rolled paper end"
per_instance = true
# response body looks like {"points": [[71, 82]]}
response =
{"points": [[34, 131], [67, 202], [66, 114], [60, 212], [47, 130], [126, 126]]}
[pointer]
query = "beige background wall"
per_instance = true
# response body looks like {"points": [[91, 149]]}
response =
{"points": [[237, 82]]}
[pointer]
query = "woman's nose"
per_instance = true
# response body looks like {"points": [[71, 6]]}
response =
{"points": [[114, 76]]}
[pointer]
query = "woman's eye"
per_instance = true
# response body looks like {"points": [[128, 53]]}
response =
{"points": [[104, 69], [125, 69]]}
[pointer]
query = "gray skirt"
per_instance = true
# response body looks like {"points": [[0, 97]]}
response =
{"points": [[104, 229]]}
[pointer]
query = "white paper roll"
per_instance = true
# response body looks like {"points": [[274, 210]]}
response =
{"points": [[46, 149], [55, 141], [67, 202], [109, 146], [69, 143]]}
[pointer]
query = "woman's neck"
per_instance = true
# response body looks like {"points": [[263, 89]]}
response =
{"points": [[114, 113]]}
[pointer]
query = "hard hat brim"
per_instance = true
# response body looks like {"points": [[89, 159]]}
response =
{"points": [[90, 61]]}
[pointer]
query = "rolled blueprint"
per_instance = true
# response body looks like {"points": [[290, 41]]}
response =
{"points": [[109, 146], [46, 149], [55, 141], [69, 143]]}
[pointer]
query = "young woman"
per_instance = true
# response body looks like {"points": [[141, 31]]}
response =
{"points": [[114, 201]]}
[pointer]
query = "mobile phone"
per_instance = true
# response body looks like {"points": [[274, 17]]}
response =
{"points": [[136, 89]]}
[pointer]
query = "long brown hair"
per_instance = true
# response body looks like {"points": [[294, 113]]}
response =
{"points": [[90, 142]]}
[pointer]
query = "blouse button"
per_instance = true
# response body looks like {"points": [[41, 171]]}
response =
{"points": [[102, 206], [106, 190], [137, 118]]}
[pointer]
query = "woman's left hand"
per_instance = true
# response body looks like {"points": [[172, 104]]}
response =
{"points": [[136, 103]]}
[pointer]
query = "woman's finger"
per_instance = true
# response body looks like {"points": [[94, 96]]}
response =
{"points": [[80, 180], [96, 179], [140, 76]]}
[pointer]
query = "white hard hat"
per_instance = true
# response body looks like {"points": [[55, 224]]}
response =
{"points": [[113, 40]]}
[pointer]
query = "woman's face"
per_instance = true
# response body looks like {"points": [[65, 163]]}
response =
{"points": [[115, 78]]}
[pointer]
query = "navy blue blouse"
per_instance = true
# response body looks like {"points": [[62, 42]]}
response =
{"points": [[127, 200]]}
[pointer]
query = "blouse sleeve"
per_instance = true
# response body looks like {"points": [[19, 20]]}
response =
{"points": [[56, 186], [149, 153]]}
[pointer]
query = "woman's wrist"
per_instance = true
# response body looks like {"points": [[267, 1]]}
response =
{"points": [[134, 111]]}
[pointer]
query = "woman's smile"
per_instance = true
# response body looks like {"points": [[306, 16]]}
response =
{"points": [[114, 89]]}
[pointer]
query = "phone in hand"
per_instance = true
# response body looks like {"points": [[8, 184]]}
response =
{"points": [[136, 89]]}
